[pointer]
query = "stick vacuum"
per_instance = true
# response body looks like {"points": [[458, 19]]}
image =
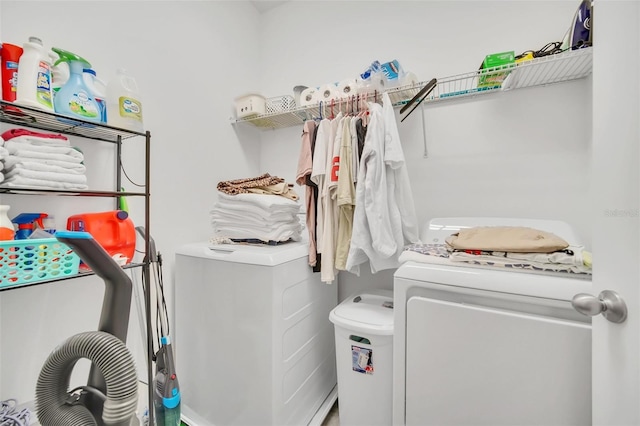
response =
{"points": [[166, 389]]}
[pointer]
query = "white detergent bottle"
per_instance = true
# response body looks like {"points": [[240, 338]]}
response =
{"points": [[34, 77], [98, 88], [124, 108]]}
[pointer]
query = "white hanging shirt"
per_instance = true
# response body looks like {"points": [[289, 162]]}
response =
{"points": [[372, 236], [384, 217], [330, 225], [318, 173]]}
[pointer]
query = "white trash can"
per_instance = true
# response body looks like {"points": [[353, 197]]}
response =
{"points": [[364, 358]]}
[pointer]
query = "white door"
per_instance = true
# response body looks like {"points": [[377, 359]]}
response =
{"points": [[616, 233]]}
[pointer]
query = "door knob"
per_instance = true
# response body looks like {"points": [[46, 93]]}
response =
{"points": [[608, 303]]}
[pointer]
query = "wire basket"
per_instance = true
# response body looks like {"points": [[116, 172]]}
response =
{"points": [[280, 104], [27, 261]]}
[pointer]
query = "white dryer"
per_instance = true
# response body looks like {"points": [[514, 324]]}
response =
{"points": [[481, 346]]}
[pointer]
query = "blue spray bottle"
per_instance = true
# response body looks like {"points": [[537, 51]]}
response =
{"points": [[74, 98], [26, 224]]}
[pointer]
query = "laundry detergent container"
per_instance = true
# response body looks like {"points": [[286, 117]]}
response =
{"points": [[254, 344], [364, 358]]}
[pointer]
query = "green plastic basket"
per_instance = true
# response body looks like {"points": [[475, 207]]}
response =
{"points": [[27, 261]]}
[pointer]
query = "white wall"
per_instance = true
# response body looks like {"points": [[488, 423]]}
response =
{"points": [[190, 59], [521, 154]]}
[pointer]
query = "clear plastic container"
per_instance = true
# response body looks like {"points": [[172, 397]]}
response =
{"points": [[124, 108]]}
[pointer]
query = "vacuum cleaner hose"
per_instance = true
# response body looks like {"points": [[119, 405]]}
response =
{"points": [[116, 364]]}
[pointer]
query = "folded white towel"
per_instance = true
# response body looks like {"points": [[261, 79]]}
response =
{"points": [[25, 182], [3, 153], [37, 140], [44, 151], [239, 233], [257, 226], [12, 160], [78, 169], [253, 214], [265, 201], [48, 176]]}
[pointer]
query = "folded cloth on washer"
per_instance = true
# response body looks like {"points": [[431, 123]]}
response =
{"points": [[75, 169], [33, 163], [264, 201], [56, 152], [514, 239], [283, 234], [49, 176], [240, 186], [257, 227], [249, 216], [281, 188], [25, 182]]}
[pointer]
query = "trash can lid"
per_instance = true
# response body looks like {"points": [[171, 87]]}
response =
{"points": [[366, 312]]}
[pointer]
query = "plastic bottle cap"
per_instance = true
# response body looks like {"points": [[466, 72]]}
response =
{"points": [[122, 215], [35, 40]]}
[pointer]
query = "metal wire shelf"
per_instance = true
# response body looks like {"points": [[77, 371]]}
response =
{"points": [[562, 67], [39, 119]]}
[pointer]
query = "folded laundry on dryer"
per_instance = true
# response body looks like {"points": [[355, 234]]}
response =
{"points": [[519, 239], [574, 260]]}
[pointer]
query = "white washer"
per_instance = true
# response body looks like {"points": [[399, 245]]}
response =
{"points": [[480, 346], [254, 344]]}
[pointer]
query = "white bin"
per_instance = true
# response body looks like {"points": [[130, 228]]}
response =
{"points": [[364, 358]]}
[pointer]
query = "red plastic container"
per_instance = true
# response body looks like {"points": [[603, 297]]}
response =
{"points": [[113, 230], [10, 57]]}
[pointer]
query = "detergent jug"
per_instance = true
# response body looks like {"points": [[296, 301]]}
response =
{"points": [[74, 98], [113, 230], [34, 77], [97, 88], [10, 57], [124, 108]]}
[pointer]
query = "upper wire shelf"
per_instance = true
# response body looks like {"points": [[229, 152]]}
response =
{"points": [[566, 66], [43, 120]]}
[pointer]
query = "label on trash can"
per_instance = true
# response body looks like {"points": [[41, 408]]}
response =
{"points": [[362, 361]]}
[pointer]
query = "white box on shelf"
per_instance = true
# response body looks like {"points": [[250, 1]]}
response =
{"points": [[249, 105]]}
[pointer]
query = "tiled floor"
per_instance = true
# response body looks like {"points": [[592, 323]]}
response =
{"points": [[332, 418]]}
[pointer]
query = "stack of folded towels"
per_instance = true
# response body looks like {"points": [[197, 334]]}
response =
{"points": [[40, 160], [262, 209]]}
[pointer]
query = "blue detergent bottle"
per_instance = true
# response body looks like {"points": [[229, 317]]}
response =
{"points": [[74, 99]]}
